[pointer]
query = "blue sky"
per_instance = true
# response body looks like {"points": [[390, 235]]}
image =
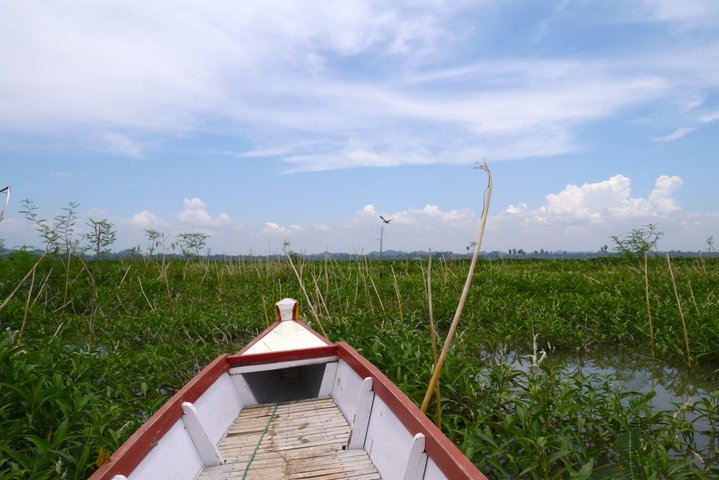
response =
{"points": [[260, 122]]}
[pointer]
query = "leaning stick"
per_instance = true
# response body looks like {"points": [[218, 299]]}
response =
{"points": [[307, 297], [452, 329], [649, 307], [681, 312], [433, 332], [27, 275]]}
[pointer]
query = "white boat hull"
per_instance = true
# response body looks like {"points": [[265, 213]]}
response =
{"points": [[184, 437]]}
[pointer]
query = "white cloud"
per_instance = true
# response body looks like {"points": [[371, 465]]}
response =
{"points": [[411, 229], [277, 72], [604, 202], [432, 214], [417, 228], [278, 151], [272, 228], [710, 117], [661, 198], [368, 210], [575, 217], [146, 219], [194, 213], [512, 210], [675, 135], [276, 228], [584, 217], [588, 202], [119, 144], [688, 13], [158, 67]]}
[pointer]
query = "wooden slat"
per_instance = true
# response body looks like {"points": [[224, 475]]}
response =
{"points": [[304, 440]]}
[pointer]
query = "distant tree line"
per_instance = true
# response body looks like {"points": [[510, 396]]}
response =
{"points": [[59, 238]]}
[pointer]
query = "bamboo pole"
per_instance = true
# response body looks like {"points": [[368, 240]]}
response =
{"points": [[681, 312], [463, 298], [649, 308], [429, 305], [433, 332]]}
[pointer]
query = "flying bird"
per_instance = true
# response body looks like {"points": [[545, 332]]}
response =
{"points": [[385, 220]]}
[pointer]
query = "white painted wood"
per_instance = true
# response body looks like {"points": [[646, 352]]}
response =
{"points": [[304, 440], [281, 365], [174, 456], [286, 336], [218, 407], [207, 450], [286, 306], [328, 380], [432, 472], [360, 420], [244, 392], [385, 435], [416, 460], [344, 390]]}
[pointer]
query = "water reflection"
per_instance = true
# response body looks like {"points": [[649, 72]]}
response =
{"points": [[674, 385]]}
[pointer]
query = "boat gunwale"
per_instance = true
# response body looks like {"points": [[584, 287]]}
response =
{"points": [[445, 454], [135, 449]]}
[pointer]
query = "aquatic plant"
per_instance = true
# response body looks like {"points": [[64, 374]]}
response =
{"points": [[85, 375]]}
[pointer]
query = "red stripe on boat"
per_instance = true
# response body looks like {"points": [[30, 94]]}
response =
{"points": [[133, 451], [239, 360], [445, 454]]}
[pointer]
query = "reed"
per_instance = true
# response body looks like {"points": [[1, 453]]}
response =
{"points": [[399, 295], [43, 287], [379, 298], [304, 292], [27, 307], [463, 298], [681, 312], [433, 334], [649, 307], [149, 303], [694, 300], [21, 282]]}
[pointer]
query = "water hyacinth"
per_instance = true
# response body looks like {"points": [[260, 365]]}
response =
{"points": [[104, 347]]}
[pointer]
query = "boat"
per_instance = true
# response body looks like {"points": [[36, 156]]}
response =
{"points": [[290, 404]]}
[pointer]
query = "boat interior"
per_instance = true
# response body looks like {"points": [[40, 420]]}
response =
{"points": [[262, 421]]}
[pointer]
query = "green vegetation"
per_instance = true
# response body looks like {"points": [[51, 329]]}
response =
{"points": [[89, 350], [100, 237], [638, 242]]}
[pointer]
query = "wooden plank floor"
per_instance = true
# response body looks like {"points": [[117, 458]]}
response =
{"points": [[292, 440]]}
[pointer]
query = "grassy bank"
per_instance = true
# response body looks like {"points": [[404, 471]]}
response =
{"points": [[89, 351]]}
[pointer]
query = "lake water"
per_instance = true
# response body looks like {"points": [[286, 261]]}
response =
{"points": [[674, 385]]}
